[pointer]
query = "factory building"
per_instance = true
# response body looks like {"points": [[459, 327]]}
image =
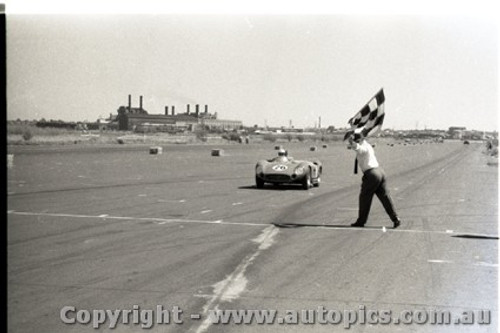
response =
{"points": [[456, 132], [138, 119]]}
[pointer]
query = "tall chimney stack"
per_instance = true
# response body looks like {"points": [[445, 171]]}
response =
{"points": [[188, 109], [129, 103], [166, 110], [206, 108], [173, 110], [140, 103], [197, 109]]}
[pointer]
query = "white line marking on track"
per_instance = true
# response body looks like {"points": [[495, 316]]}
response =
{"points": [[480, 263], [485, 264], [347, 208], [235, 283], [163, 200], [152, 219], [157, 219], [438, 261], [205, 211]]}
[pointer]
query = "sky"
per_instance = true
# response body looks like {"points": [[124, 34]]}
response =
{"points": [[281, 67]]}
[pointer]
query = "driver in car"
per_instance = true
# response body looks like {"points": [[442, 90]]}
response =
{"points": [[282, 156]]}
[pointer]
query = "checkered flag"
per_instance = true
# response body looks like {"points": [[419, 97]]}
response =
{"points": [[370, 118]]}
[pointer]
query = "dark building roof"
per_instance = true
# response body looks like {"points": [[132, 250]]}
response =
{"points": [[125, 110], [161, 118]]}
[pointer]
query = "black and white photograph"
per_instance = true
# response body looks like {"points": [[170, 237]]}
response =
{"points": [[268, 166]]}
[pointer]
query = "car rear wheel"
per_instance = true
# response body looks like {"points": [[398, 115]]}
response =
{"points": [[318, 181], [259, 182]]}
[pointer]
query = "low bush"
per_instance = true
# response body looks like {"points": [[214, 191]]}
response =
{"points": [[232, 137], [27, 134], [270, 138]]}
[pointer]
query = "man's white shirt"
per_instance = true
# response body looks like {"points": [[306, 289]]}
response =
{"points": [[365, 155]]}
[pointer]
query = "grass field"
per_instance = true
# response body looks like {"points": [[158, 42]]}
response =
{"points": [[24, 134]]}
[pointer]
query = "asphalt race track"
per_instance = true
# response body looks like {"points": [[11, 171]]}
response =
{"points": [[114, 227]]}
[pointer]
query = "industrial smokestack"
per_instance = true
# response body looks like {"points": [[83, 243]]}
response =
{"points": [[188, 109], [206, 108], [140, 103], [166, 110], [173, 110], [129, 103], [197, 109]]}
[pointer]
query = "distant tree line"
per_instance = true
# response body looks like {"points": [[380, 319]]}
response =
{"points": [[61, 124], [56, 124]]}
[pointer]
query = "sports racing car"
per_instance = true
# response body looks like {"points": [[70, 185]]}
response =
{"points": [[286, 170]]}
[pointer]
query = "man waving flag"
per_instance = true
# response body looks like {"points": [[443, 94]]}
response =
{"points": [[370, 118], [374, 181]]}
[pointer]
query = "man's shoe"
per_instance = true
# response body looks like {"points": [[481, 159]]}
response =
{"points": [[397, 222], [357, 225]]}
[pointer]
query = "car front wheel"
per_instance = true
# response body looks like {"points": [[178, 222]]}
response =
{"points": [[306, 182], [259, 182]]}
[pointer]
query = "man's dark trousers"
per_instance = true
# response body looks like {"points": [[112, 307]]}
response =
{"points": [[374, 183]]}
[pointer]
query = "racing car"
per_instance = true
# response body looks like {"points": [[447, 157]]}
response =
{"points": [[286, 170]]}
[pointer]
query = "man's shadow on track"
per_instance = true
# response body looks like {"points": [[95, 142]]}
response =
{"points": [[311, 225]]}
